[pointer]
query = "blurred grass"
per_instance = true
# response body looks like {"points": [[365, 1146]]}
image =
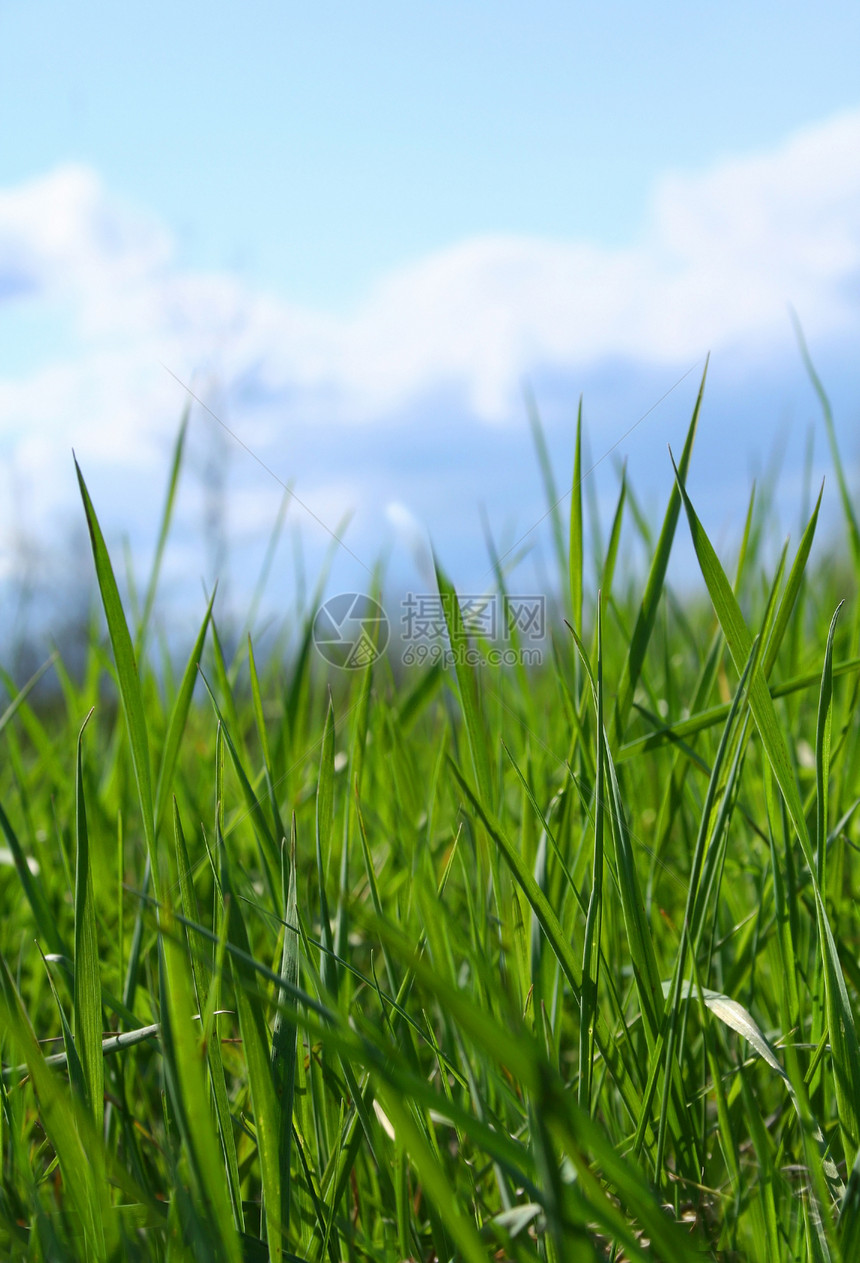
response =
{"points": [[538, 963]]}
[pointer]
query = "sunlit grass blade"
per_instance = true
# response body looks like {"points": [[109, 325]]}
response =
{"points": [[324, 838], [467, 680], [62, 1127], [19, 696], [257, 1051], [205, 992], [461, 1047], [262, 829], [88, 992], [793, 585], [127, 676], [262, 733], [265, 568], [560, 946], [186, 1081], [677, 733], [827, 413], [594, 916], [164, 531], [840, 1016], [609, 561], [654, 587], [708, 836], [575, 540], [582, 1141], [628, 1199], [179, 719], [823, 734], [46, 923], [553, 500], [284, 1035], [432, 1176], [739, 641]]}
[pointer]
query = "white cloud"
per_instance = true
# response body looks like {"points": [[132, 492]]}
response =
{"points": [[722, 253], [62, 236]]}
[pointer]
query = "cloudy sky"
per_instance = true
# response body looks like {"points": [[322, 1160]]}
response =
{"points": [[356, 232]]}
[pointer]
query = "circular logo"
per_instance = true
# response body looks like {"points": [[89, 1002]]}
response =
{"points": [[351, 630]]}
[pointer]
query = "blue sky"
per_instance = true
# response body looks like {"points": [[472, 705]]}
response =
{"points": [[357, 229], [316, 146]]}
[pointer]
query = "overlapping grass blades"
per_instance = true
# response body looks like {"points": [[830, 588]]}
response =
{"points": [[546, 968], [845, 1050]]}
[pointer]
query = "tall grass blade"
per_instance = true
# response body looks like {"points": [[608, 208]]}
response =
{"points": [[560, 945], [178, 719], [164, 531], [46, 923], [324, 839], [594, 916], [575, 542], [553, 499], [185, 1076], [467, 680], [840, 1017], [827, 413], [284, 1034], [64, 1129], [823, 735], [127, 676], [257, 1050], [205, 990], [654, 587], [87, 985]]}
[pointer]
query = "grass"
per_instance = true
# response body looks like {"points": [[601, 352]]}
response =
{"points": [[475, 964]]}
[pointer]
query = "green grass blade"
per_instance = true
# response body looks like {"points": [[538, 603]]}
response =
{"points": [[741, 1020], [840, 1017], [559, 944], [654, 587], [575, 542], [467, 680], [553, 499], [62, 1126], [609, 561], [253, 808], [792, 590], [256, 1045], [186, 1081], [46, 923], [284, 1034], [262, 733], [324, 839], [594, 916], [822, 750], [205, 992], [179, 719], [709, 837], [739, 641], [87, 986], [19, 696], [433, 1179], [127, 676], [164, 531], [700, 722], [827, 412]]}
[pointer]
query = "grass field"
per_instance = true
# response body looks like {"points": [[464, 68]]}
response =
{"points": [[554, 963]]}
